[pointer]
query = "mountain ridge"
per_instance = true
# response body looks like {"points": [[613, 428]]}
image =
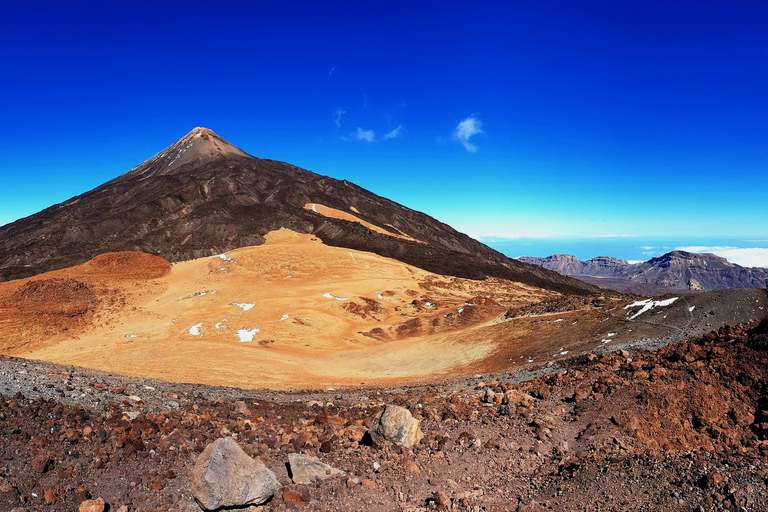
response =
{"points": [[675, 270]]}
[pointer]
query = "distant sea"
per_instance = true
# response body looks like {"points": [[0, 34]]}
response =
{"points": [[742, 251]]}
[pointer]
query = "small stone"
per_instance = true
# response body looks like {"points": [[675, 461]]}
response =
{"points": [[411, 467], [306, 469], [442, 500], [41, 463], [96, 505], [81, 494], [299, 496], [50, 496], [711, 480]]}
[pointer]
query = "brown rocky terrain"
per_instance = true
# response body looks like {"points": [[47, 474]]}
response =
{"points": [[203, 196], [673, 271], [682, 428]]}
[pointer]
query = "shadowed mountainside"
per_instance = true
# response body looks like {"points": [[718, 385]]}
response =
{"points": [[202, 196]]}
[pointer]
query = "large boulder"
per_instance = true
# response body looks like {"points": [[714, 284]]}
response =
{"points": [[225, 476], [395, 426], [305, 469]]}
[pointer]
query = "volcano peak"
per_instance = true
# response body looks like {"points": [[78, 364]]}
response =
{"points": [[198, 147]]}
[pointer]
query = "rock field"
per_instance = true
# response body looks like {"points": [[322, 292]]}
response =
{"points": [[681, 428]]}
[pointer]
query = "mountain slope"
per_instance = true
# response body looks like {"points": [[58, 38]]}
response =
{"points": [[676, 270], [203, 196]]}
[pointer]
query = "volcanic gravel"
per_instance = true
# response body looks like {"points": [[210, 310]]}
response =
{"points": [[681, 428]]}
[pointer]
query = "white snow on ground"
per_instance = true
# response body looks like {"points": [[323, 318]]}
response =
{"points": [[379, 295], [284, 317], [245, 335], [195, 329], [429, 304], [461, 310], [220, 326], [648, 305], [227, 258], [558, 320], [245, 306], [606, 341], [131, 335], [314, 208], [611, 334], [331, 296], [691, 308]]}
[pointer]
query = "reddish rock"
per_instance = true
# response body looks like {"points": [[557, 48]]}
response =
{"points": [[298, 496], [50, 496], [41, 463], [712, 479], [96, 505], [81, 494]]}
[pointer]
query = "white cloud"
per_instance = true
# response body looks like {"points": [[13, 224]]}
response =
{"points": [[744, 256], [394, 133], [465, 130], [337, 116], [366, 135]]}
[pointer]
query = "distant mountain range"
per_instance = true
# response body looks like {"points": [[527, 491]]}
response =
{"points": [[203, 196], [673, 271]]}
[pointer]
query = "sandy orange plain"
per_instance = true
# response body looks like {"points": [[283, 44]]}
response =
{"points": [[291, 313]]}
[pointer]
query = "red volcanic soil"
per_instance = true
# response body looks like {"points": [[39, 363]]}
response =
{"points": [[683, 428], [126, 265], [63, 304]]}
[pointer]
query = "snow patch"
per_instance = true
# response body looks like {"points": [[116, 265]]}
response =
{"points": [[329, 295], [243, 305], [131, 335], [379, 295], [648, 305], [195, 329], [284, 317], [461, 310], [227, 258], [691, 308], [246, 335]]}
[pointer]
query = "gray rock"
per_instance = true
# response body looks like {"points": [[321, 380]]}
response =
{"points": [[306, 469], [225, 476], [395, 426]]}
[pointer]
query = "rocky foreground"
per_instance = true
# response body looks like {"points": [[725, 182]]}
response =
{"points": [[682, 428]]}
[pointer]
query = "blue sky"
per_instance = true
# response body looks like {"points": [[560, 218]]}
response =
{"points": [[528, 125]]}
